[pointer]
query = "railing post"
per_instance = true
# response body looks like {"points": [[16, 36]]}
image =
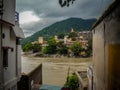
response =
{"points": [[16, 17]]}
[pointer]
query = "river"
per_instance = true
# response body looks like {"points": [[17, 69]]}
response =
{"points": [[54, 70]]}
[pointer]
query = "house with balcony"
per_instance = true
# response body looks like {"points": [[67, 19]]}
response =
{"points": [[10, 48]]}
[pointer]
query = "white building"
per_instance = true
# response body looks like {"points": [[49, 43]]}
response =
{"points": [[10, 49]]}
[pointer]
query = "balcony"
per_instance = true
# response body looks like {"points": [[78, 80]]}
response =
{"points": [[17, 17]]}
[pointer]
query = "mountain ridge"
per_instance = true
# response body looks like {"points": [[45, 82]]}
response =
{"points": [[64, 26]]}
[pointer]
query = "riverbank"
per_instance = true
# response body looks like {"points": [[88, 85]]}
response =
{"points": [[54, 70]]}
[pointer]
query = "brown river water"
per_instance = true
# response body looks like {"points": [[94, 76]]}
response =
{"points": [[54, 70]]}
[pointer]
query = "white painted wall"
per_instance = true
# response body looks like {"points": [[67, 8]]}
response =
{"points": [[10, 77]]}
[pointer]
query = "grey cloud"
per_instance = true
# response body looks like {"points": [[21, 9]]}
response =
{"points": [[34, 27], [50, 11], [51, 8]]}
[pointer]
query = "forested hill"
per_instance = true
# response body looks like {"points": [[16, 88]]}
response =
{"points": [[64, 26]]}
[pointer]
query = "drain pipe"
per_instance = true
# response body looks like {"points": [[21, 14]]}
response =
{"points": [[1, 57]]}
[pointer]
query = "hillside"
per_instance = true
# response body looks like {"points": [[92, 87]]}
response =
{"points": [[64, 26]]}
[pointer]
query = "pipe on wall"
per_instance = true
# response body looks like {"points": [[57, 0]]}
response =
{"points": [[1, 58]]}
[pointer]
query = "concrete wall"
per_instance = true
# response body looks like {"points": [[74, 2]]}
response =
{"points": [[18, 65], [9, 11], [106, 49], [1, 62], [98, 57], [10, 72], [29, 81]]}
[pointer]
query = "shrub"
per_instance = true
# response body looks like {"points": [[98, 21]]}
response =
{"points": [[72, 82]]}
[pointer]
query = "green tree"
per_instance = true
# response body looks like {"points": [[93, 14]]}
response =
{"points": [[51, 48], [37, 47], [28, 47], [89, 48], [73, 35], [61, 36], [45, 49], [51, 41], [62, 49], [76, 48]]}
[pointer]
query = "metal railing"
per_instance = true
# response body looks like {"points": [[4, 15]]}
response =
{"points": [[16, 17]]}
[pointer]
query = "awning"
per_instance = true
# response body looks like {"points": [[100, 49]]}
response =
{"points": [[18, 32]]}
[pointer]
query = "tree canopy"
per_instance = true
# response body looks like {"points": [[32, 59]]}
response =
{"points": [[76, 48], [51, 48]]}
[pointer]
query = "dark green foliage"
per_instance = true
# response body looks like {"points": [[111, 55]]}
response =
{"points": [[55, 47], [76, 48], [51, 48], [51, 42], [45, 50], [72, 82], [64, 26], [89, 48], [73, 39], [37, 47], [32, 47], [62, 49], [61, 36], [73, 34], [28, 47]]}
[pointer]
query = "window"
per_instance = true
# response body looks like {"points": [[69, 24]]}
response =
{"points": [[17, 41], [5, 57]]}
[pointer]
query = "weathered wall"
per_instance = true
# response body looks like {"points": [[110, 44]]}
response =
{"points": [[1, 62], [106, 49], [27, 82], [10, 77], [9, 11], [112, 45], [98, 57]]}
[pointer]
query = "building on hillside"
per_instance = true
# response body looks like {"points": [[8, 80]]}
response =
{"points": [[35, 42], [67, 40], [10, 48], [106, 49], [40, 40], [84, 37], [57, 39], [72, 30]]}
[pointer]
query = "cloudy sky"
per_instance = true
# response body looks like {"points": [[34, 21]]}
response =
{"points": [[37, 14]]}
